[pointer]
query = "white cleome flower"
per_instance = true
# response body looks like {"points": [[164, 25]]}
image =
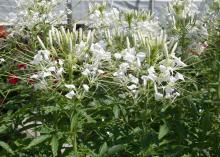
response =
{"points": [[132, 87], [86, 87], [179, 76], [178, 61], [86, 72], [2, 60], [51, 69], [117, 56], [70, 86], [70, 95], [37, 59], [158, 96], [133, 79]]}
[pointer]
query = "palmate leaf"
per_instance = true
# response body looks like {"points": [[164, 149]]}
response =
{"points": [[6, 147], [38, 140]]}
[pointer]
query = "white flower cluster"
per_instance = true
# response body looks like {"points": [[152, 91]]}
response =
{"points": [[183, 8], [135, 62], [30, 13], [134, 69], [186, 14], [127, 21], [48, 68], [100, 17]]}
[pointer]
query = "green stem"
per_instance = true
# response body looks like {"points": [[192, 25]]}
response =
{"points": [[219, 86]]}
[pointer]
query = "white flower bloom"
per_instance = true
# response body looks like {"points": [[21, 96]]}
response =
{"points": [[46, 54], [35, 76], [70, 95], [151, 70], [133, 79], [100, 71], [158, 96], [132, 87], [99, 53], [178, 62], [123, 67], [86, 87], [169, 90], [162, 68], [60, 62], [172, 79], [151, 74], [37, 59], [70, 86], [45, 74], [145, 79], [117, 56], [141, 56], [129, 55], [59, 72], [86, 72], [51, 69], [2, 60], [179, 76]]}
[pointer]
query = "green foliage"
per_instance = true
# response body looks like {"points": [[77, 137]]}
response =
{"points": [[101, 124]]}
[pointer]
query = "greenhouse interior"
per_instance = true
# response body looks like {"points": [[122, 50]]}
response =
{"points": [[109, 78]]}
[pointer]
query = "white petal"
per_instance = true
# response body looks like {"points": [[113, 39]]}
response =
{"points": [[178, 62], [117, 56], [35, 76], [60, 61], [86, 72], [86, 87], [46, 54], [158, 96], [70, 86], [151, 70], [37, 59], [179, 76], [132, 87], [133, 79], [2, 60], [51, 69], [101, 72], [46, 74], [70, 95], [60, 71], [141, 56]]}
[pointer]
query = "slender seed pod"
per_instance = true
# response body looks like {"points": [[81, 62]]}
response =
{"points": [[51, 38], [41, 42]]}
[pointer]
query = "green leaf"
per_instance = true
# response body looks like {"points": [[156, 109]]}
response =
{"points": [[103, 150], [38, 140], [115, 149], [54, 145], [3, 129], [116, 111], [74, 123], [163, 131], [6, 147]]}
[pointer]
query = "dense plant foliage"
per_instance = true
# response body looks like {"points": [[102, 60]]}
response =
{"points": [[125, 85]]}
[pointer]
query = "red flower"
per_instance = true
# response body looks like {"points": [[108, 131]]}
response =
{"points": [[13, 79], [3, 32], [21, 66]]}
